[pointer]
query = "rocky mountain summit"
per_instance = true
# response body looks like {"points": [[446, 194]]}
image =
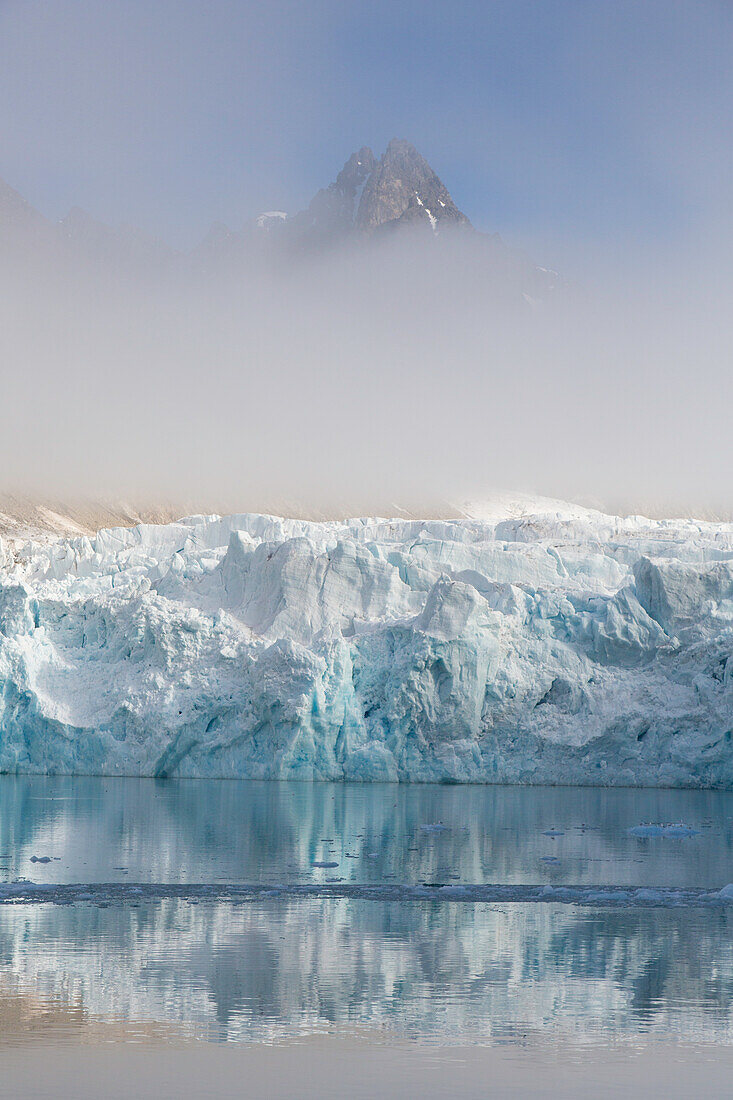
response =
{"points": [[334, 209], [372, 198], [404, 189], [400, 189]]}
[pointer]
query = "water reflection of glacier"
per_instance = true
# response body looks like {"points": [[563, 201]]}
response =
{"points": [[270, 968], [463, 972], [104, 830]]}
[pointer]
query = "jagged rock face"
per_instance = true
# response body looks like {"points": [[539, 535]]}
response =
{"points": [[334, 209], [370, 194], [404, 189], [352, 177]]}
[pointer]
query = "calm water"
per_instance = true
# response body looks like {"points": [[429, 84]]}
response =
{"points": [[283, 967]]}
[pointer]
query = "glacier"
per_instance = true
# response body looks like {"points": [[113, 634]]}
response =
{"points": [[528, 642]]}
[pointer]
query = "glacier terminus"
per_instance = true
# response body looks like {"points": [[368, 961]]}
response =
{"points": [[525, 643]]}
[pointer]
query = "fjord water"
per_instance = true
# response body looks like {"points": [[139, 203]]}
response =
{"points": [[285, 968], [169, 831]]}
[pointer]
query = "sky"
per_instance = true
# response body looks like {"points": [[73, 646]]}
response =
{"points": [[569, 126]]}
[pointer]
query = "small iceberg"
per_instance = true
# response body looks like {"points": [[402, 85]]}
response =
{"points": [[675, 831]]}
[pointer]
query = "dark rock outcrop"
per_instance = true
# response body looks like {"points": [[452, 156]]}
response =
{"points": [[403, 189], [369, 194], [334, 209]]}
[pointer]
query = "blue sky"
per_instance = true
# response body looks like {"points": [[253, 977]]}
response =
{"points": [[561, 124]]}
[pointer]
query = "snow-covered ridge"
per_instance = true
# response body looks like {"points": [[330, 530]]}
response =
{"points": [[543, 643]]}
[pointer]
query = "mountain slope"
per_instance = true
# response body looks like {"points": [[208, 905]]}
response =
{"points": [[19, 222], [368, 194], [404, 190]]}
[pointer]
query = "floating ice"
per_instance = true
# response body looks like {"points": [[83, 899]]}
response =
{"points": [[109, 893], [540, 643], [677, 831]]}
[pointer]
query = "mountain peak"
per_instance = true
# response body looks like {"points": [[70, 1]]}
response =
{"points": [[398, 148], [356, 170], [369, 194], [404, 189], [334, 209]]}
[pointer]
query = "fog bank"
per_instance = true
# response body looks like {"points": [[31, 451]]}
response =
{"points": [[409, 371]]}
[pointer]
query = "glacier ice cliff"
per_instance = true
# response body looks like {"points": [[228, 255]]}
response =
{"points": [[533, 645]]}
